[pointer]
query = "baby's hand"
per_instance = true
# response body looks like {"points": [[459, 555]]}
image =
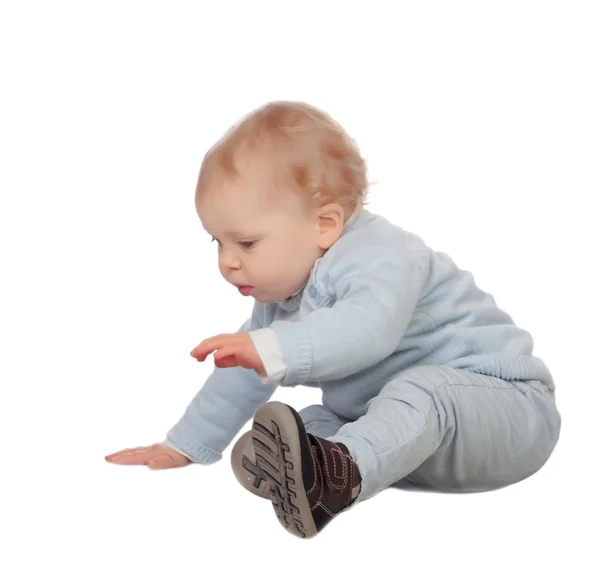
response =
{"points": [[155, 457], [232, 350]]}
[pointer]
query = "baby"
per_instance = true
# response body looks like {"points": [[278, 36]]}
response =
{"points": [[425, 382]]}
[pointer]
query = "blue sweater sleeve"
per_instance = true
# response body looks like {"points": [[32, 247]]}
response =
{"points": [[370, 293], [228, 399]]}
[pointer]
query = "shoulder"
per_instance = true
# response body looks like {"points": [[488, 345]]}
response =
{"points": [[370, 241]]}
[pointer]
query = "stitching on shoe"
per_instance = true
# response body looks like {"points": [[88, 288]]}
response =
{"points": [[314, 461], [344, 462], [320, 497], [325, 455]]}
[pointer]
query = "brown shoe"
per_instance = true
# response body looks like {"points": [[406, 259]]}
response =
{"points": [[243, 463], [311, 479]]}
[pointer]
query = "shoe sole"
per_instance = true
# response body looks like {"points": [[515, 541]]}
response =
{"points": [[245, 469], [278, 450]]}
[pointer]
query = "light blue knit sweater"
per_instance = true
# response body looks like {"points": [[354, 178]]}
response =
{"points": [[378, 302]]}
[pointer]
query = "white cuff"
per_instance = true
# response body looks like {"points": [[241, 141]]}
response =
{"points": [[168, 443], [270, 353]]}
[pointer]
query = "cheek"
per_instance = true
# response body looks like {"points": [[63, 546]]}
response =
{"points": [[222, 267]]}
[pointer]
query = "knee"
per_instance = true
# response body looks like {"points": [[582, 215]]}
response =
{"points": [[553, 424], [550, 422], [407, 402]]}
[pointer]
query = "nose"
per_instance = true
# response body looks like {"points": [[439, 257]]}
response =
{"points": [[229, 260]]}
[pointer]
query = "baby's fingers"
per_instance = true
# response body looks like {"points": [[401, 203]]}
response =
{"points": [[139, 455], [161, 462], [225, 362]]}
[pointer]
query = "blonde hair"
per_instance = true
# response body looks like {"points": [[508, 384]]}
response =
{"points": [[309, 153]]}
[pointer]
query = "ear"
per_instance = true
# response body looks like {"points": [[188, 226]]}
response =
{"points": [[330, 221]]}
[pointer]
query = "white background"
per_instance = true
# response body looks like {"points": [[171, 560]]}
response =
{"points": [[479, 122]]}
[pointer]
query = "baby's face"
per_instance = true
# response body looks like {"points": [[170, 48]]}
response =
{"points": [[265, 241]]}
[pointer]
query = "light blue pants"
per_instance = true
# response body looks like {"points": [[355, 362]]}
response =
{"points": [[446, 429]]}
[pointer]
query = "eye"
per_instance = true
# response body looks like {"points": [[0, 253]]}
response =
{"points": [[247, 244], [215, 239]]}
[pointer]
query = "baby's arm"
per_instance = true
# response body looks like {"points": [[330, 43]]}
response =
{"points": [[226, 401], [374, 291]]}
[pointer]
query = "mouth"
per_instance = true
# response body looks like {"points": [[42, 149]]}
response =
{"points": [[245, 290]]}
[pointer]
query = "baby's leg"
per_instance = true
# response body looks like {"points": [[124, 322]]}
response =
{"points": [[321, 421], [452, 430]]}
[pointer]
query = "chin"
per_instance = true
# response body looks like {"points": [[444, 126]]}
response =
{"points": [[263, 299]]}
